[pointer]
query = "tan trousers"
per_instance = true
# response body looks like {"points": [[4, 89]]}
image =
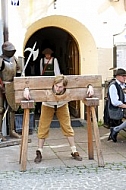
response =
{"points": [[46, 117]]}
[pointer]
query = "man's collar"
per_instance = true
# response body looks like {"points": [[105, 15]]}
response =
{"points": [[120, 83]]}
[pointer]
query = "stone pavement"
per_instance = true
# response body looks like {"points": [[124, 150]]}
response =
{"points": [[59, 171]]}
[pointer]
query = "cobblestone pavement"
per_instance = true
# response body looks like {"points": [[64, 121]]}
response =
{"points": [[111, 177], [58, 171]]}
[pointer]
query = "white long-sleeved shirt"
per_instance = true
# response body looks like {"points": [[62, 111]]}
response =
{"points": [[56, 65], [114, 94], [56, 72]]}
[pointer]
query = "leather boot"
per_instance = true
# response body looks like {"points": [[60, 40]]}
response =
{"points": [[38, 158], [113, 135]]}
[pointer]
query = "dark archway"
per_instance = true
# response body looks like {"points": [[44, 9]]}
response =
{"points": [[65, 50]]}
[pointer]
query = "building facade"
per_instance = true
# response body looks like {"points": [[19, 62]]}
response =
{"points": [[81, 33]]}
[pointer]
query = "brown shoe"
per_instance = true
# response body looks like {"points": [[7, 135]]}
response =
{"points": [[76, 156], [38, 158]]}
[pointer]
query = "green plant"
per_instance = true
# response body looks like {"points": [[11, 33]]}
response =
{"points": [[100, 123]]}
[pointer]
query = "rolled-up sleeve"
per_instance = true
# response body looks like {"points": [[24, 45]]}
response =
{"points": [[56, 67], [114, 96]]}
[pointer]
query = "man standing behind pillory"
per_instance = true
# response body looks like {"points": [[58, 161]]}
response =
{"points": [[62, 112], [49, 65]]}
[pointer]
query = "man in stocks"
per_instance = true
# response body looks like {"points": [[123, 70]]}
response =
{"points": [[62, 112]]}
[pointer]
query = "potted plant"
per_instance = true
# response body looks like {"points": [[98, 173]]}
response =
{"points": [[19, 120]]}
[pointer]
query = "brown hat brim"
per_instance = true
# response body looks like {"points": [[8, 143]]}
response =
{"points": [[47, 51], [120, 72]]}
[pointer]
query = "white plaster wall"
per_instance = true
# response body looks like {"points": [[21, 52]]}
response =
{"points": [[102, 19]]}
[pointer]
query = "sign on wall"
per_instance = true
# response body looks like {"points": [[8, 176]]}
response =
{"points": [[121, 56], [15, 2]]}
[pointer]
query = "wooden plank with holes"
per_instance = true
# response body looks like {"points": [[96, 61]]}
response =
{"points": [[46, 82], [41, 88], [48, 95]]}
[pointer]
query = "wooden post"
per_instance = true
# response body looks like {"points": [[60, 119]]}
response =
{"points": [[91, 103], [23, 125], [97, 138], [24, 144], [90, 136]]}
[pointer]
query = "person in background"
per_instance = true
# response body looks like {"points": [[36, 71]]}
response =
{"points": [[62, 112], [118, 101], [48, 67]]}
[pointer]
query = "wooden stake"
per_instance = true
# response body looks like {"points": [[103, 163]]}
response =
{"points": [[90, 138], [24, 145], [97, 138]]}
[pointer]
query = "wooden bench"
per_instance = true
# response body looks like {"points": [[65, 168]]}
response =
{"points": [[41, 90]]}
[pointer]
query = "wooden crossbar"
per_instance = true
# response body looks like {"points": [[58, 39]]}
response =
{"points": [[41, 88], [41, 91]]}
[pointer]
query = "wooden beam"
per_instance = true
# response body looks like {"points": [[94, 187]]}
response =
{"points": [[91, 101], [46, 82], [27, 104], [48, 95]]}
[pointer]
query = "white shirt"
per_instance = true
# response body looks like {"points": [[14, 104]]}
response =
{"points": [[51, 104], [56, 72], [114, 94], [56, 65]]}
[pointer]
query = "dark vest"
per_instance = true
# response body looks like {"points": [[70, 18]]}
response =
{"points": [[116, 112], [109, 108], [49, 71], [120, 92]]}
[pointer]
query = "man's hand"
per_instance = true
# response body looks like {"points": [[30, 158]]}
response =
{"points": [[27, 94], [90, 91]]}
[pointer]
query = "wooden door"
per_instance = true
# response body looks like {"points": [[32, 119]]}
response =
{"points": [[73, 69]]}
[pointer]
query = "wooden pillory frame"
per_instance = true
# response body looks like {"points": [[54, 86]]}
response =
{"points": [[41, 91]]}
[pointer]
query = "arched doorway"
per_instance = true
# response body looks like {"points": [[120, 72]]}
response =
{"points": [[88, 53], [65, 49]]}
